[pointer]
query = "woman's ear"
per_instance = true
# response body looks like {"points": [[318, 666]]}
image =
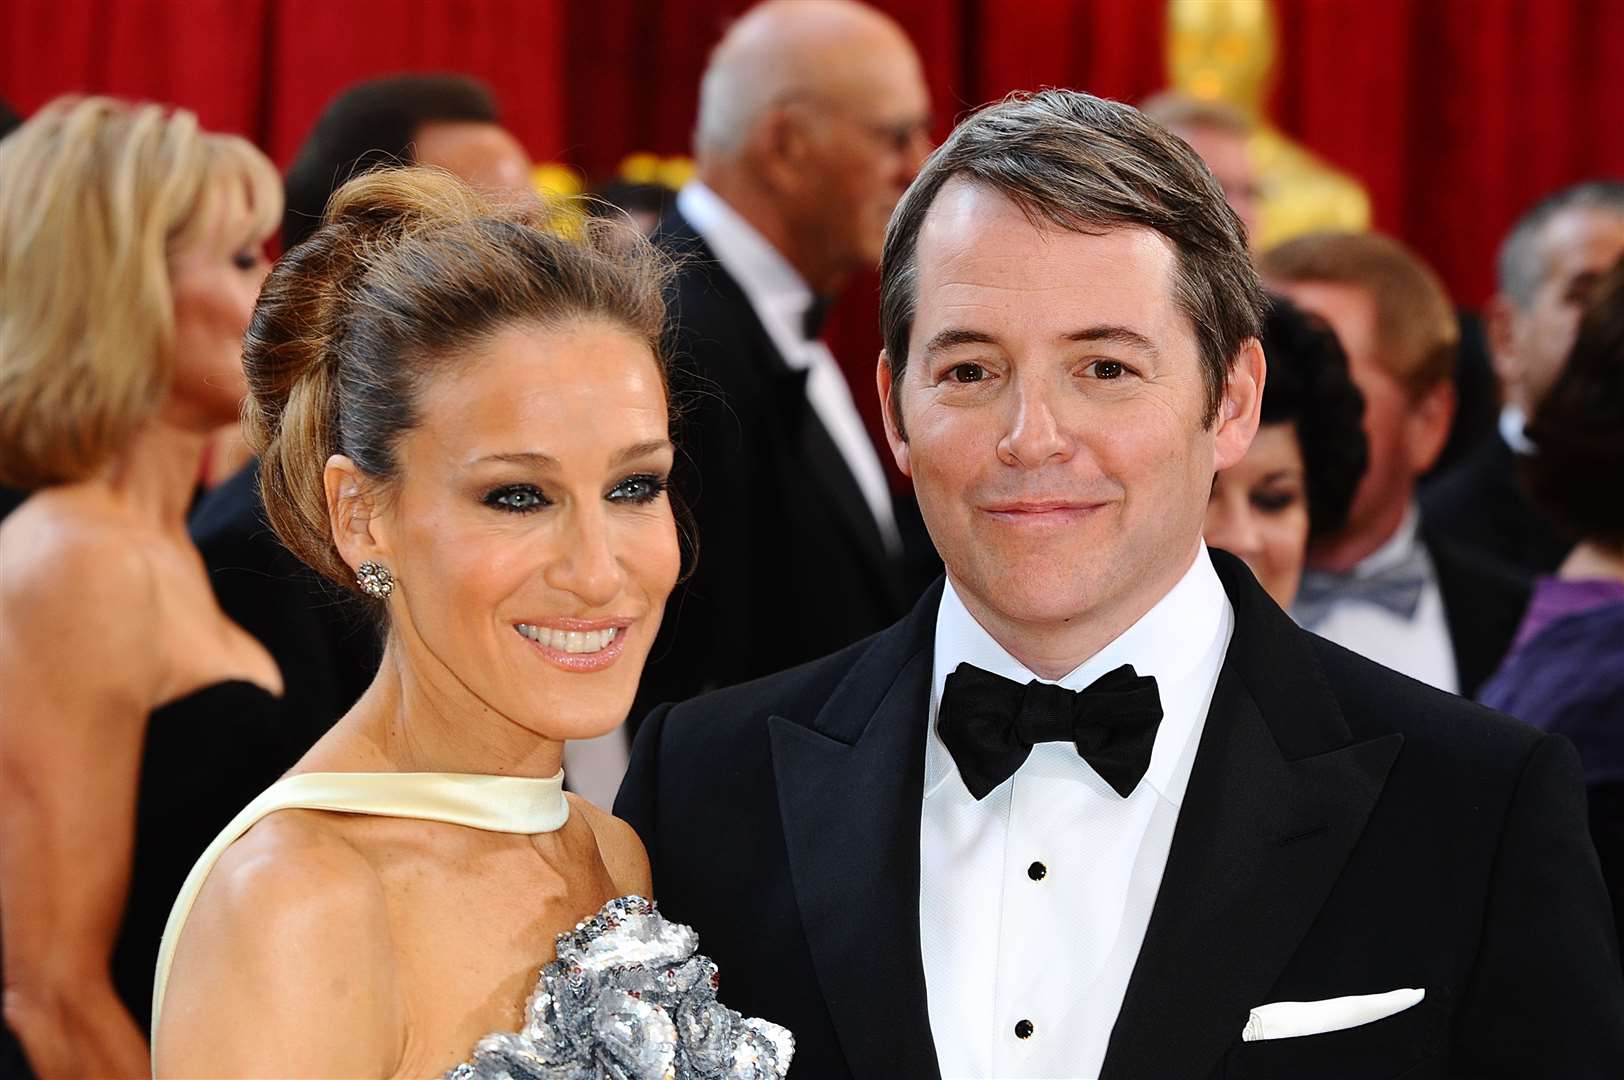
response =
{"points": [[353, 509]]}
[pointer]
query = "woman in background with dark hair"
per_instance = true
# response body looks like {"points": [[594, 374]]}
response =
{"points": [[1299, 476], [1565, 672]]}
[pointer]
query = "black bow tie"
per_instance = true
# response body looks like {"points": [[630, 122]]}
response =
{"points": [[990, 724], [817, 313]]}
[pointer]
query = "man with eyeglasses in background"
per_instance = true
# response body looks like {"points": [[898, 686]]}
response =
{"points": [[813, 119]]}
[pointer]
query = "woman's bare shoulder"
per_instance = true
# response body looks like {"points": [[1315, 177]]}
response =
{"points": [[287, 960], [622, 850]]}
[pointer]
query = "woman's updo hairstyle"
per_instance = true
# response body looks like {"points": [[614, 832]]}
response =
{"points": [[409, 270]]}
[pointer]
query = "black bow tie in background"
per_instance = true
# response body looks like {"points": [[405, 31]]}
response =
{"points": [[990, 724]]}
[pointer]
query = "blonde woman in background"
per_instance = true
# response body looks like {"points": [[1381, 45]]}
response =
{"points": [[135, 717]]}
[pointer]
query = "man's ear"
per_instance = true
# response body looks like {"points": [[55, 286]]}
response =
{"points": [[1426, 426], [890, 411], [1242, 405], [353, 510], [783, 144]]}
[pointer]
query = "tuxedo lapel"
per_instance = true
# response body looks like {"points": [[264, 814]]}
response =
{"points": [[1278, 797], [849, 789], [804, 432]]}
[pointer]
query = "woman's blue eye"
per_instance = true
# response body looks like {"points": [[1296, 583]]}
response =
{"points": [[245, 260], [517, 499], [644, 488]]}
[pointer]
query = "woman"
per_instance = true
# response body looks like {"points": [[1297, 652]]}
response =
{"points": [[135, 717], [463, 416], [1298, 478], [1565, 672]]}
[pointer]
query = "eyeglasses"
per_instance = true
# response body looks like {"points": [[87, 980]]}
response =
{"points": [[896, 136]]}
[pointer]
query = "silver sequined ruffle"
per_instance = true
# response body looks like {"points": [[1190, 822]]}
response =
{"points": [[630, 998]]}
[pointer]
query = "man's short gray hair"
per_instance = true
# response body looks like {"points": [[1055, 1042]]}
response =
{"points": [[1521, 268], [1082, 163]]}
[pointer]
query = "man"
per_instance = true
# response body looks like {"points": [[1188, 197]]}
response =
{"points": [[813, 118], [1384, 585], [1222, 135], [1549, 262], [888, 851], [449, 121]]}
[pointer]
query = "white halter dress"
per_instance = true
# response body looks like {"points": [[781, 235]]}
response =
{"points": [[629, 995]]}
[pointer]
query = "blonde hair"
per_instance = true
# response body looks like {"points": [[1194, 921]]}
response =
{"points": [[1416, 326], [98, 194]]}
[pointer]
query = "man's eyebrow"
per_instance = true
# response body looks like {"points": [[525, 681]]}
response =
{"points": [[953, 337], [1114, 335]]}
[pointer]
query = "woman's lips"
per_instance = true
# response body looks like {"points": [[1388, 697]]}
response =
{"points": [[580, 645]]}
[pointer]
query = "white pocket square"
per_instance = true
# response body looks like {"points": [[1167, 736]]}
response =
{"points": [[1289, 1019]]}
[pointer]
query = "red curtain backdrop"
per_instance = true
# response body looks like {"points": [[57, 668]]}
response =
{"points": [[1455, 113]]}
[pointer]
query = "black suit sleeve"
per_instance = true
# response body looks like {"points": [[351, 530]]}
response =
{"points": [[1546, 998], [635, 803]]}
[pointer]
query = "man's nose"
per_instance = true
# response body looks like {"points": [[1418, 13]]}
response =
{"points": [[1035, 436]]}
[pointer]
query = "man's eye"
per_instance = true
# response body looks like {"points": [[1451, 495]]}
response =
{"points": [[516, 499], [966, 373], [1108, 369]]}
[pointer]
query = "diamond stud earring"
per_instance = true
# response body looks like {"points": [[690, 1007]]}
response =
{"points": [[375, 580]]}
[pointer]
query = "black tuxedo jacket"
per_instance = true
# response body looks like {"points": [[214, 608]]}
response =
{"points": [[1345, 831], [1480, 506], [791, 562], [1484, 602]]}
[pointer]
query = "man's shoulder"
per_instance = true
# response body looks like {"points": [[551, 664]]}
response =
{"points": [[1455, 732], [797, 695]]}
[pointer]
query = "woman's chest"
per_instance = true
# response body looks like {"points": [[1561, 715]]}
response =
{"points": [[469, 948]]}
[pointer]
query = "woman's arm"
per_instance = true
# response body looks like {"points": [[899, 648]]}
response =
{"points": [[80, 668], [286, 965]]}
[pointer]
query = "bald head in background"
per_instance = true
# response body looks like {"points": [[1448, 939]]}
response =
{"points": [[813, 119]]}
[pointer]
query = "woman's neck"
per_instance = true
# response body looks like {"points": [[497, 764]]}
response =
{"points": [[155, 478], [412, 721], [1590, 561]]}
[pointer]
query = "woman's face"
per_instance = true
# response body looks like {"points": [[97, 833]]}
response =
{"points": [[214, 275], [1259, 511], [530, 531]]}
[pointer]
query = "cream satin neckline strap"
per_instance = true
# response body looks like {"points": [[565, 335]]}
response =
{"points": [[508, 804]]}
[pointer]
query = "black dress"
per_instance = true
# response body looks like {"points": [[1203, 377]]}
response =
{"points": [[207, 755]]}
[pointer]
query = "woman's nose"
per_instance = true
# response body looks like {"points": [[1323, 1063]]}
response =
{"points": [[587, 565]]}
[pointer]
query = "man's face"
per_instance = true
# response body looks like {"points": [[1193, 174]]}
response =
{"points": [[1391, 420], [1576, 249], [871, 132], [484, 156], [1053, 403]]}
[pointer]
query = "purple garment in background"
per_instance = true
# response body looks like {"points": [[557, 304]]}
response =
{"points": [[1555, 598], [1565, 673]]}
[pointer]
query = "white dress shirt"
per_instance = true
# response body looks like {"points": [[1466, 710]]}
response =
{"points": [[1033, 902], [780, 299], [1512, 423], [1420, 646]]}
